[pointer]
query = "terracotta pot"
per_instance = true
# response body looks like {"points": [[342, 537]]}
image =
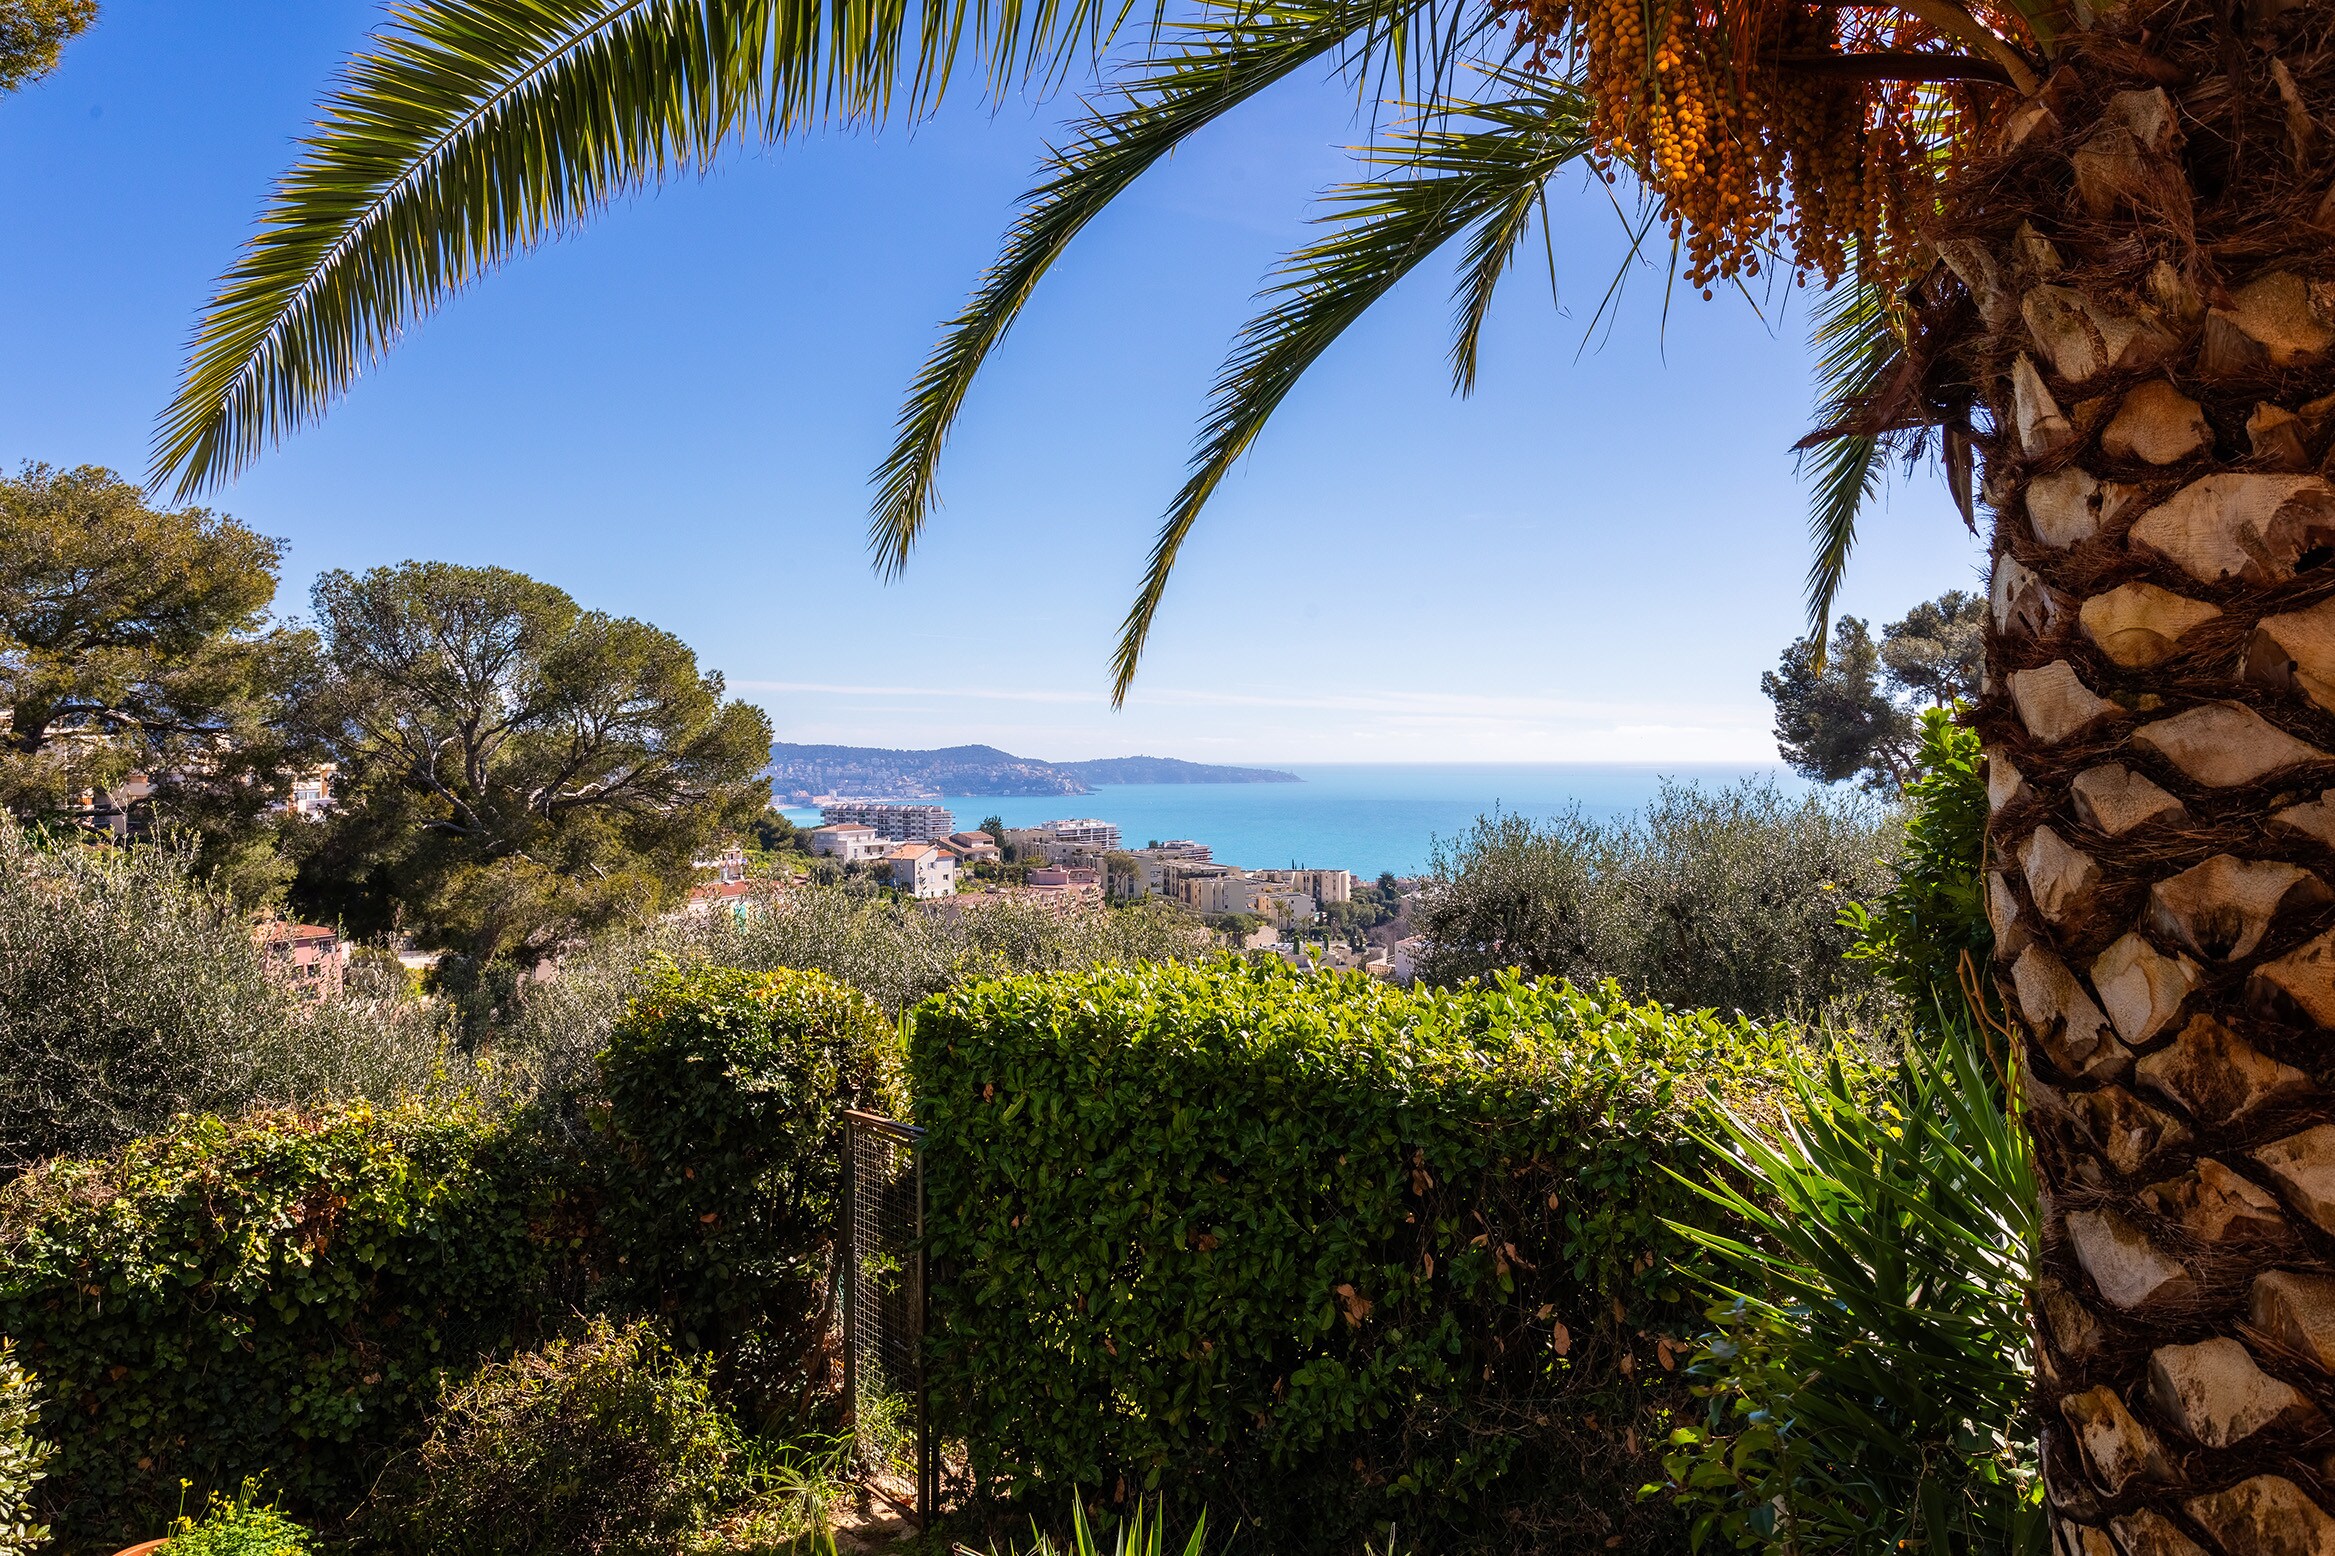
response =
{"points": [[147, 1549]]}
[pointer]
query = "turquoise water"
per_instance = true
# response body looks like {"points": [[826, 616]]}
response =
{"points": [[1360, 817]]}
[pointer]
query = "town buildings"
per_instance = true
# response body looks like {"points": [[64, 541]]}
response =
{"points": [[893, 823]]}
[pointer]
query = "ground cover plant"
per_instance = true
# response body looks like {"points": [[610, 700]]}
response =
{"points": [[1318, 1252], [240, 1525]]}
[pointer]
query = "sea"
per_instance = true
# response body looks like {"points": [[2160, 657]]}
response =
{"points": [[1364, 817]]}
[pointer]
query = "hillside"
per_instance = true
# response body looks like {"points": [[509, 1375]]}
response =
{"points": [[873, 772], [1169, 769]]}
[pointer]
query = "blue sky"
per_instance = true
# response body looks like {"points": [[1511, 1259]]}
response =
{"points": [[673, 415]]}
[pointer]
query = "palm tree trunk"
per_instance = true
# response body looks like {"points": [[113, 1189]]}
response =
{"points": [[2149, 318]]}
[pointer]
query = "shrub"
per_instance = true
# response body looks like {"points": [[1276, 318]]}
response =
{"points": [[1727, 901], [275, 1296], [129, 994], [238, 1526], [1871, 1394], [1322, 1253], [723, 1093], [23, 1456], [1915, 934], [605, 1443], [893, 953]]}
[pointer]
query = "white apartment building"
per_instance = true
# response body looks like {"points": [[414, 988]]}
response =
{"points": [[893, 823], [922, 870], [1177, 850], [849, 842], [1082, 832], [1323, 886]]}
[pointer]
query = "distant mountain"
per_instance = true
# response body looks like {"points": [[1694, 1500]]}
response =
{"points": [[1169, 769], [872, 772]]}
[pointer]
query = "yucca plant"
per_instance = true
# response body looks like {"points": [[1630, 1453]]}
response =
{"points": [[1143, 1532], [1867, 1382]]}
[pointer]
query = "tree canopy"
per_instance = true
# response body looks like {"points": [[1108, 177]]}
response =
{"points": [[1851, 710], [135, 640], [34, 32], [515, 768]]}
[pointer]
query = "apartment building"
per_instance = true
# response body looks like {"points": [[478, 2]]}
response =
{"points": [[847, 842], [1065, 886], [975, 847], [1083, 832], [922, 870], [310, 958], [893, 823]]}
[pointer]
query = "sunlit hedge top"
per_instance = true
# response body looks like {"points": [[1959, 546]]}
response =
{"points": [[1323, 1252]]}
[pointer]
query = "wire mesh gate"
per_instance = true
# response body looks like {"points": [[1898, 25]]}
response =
{"points": [[883, 1311]]}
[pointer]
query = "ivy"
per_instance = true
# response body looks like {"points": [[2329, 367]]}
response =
{"points": [[724, 1090], [276, 1297], [1321, 1252]]}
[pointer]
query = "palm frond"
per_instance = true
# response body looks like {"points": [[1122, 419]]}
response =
{"points": [[467, 131], [1441, 182], [1203, 68], [1859, 351]]}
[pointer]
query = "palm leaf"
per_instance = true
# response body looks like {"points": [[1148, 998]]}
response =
{"points": [[1858, 352], [470, 130], [1442, 182], [1207, 66]]}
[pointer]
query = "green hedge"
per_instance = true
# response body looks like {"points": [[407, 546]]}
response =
{"points": [[277, 1297], [283, 1296], [724, 1090], [1321, 1252]]}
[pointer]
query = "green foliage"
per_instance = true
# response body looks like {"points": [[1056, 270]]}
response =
{"points": [[723, 1092], [609, 1442], [32, 32], [893, 953], [130, 992], [516, 770], [1726, 899], [1850, 711], [238, 1526], [1834, 721], [1916, 933], [1143, 1532], [1320, 1252], [1868, 1385], [137, 642], [24, 1457], [276, 1296]]}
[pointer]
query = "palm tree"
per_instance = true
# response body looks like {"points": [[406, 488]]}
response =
{"points": [[2076, 250]]}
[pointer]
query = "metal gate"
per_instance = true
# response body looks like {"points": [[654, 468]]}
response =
{"points": [[883, 1311]]}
